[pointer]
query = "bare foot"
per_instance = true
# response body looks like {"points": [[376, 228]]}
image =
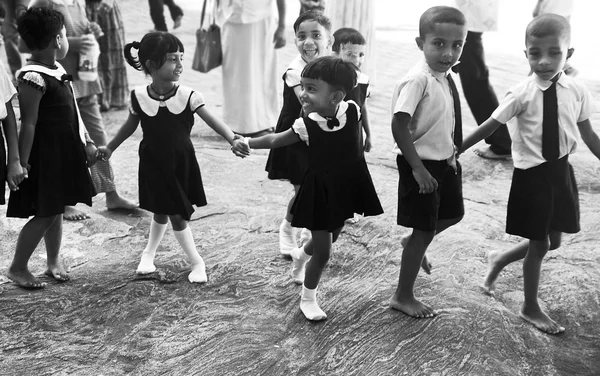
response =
{"points": [[25, 279], [57, 271], [541, 321], [177, 22], [487, 153], [115, 202], [412, 307], [72, 214], [426, 265], [489, 283]]}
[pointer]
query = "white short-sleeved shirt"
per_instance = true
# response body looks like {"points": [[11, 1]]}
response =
{"points": [[524, 104], [300, 128], [7, 91], [426, 96], [292, 74], [481, 15]]}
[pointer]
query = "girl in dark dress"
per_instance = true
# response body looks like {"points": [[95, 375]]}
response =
{"points": [[53, 146], [313, 39], [337, 183], [169, 176]]}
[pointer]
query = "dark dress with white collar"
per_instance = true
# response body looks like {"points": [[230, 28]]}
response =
{"points": [[338, 183], [169, 176]]}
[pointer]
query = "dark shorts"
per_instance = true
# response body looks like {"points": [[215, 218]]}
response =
{"points": [[422, 211], [543, 198]]}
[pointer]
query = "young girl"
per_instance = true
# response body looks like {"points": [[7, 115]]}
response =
{"points": [[10, 170], [313, 39], [337, 183], [169, 176], [53, 146]]}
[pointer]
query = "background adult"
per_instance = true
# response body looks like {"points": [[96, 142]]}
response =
{"points": [[249, 36], [13, 9], [157, 13], [482, 16]]}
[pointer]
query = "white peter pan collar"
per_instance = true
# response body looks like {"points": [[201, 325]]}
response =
{"points": [[175, 104], [341, 112]]}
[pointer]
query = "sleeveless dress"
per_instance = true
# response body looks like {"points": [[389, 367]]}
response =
{"points": [[169, 176], [58, 174], [337, 183], [289, 162]]}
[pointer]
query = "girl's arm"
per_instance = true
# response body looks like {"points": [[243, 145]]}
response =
{"points": [[275, 140], [484, 130], [366, 127], [400, 121], [16, 173], [589, 137], [238, 147], [29, 102], [126, 130]]}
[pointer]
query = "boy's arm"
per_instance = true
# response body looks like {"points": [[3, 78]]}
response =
{"points": [[484, 130], [275, 140], [589, 137], [366, 127], [427, 183]]}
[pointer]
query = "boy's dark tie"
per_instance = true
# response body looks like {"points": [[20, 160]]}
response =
{"points": [[550, 148], [458, 135]]}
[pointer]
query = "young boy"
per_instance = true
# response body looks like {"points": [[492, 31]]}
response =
{"points": [[426, 125], [350, 45], [543, 200]]}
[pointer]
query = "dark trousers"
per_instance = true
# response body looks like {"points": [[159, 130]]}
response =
{"points": [[480, 96], [157, 12]]}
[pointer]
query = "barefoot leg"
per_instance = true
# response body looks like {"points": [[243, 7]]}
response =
{"points": [[53, 238], [115, 201], [531, 310], [403, 299], [498, 260], [72, 214], [29, 238]]}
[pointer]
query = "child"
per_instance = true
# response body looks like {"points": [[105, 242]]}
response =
{"points": [[426, 125], [53, 147], [543, 200], [337, 183], [350, 45], [10, 170], [313, 39], [169, 176]]}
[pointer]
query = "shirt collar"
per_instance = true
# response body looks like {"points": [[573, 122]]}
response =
{"points": [[340, 112], [438, 75], [543, 85]]}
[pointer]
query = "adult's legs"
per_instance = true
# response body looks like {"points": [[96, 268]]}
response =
{"points": [[157, 14], [482, 100], [175, 11]]}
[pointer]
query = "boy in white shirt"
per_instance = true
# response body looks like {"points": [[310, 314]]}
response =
{"points": [[426, 125], [543, 200]]}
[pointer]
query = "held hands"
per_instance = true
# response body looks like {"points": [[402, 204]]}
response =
{"points": [[16, 174], [90, 154], [240, 147], [427, 183], [103, 153]]}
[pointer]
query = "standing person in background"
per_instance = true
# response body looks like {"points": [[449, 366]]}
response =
{"points": [[86, 92], [482, 16], [157, 13], [249, 37], [306, 5], [13, 9], [111, 65], [359, 15]]}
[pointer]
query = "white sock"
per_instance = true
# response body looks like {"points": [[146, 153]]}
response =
{"points": [[305, 236], [157, 231], [309, 306], [286, 237], [186, 240], [299, 260]]}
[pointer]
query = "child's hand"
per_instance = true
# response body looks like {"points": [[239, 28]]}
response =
{"points": [[16, 174], [367, 147], [103, 153], [240, 148], [427, 183], [90, 154]]}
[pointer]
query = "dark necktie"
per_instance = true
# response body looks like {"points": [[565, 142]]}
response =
{"points": [[458, 135], [550, 148]]}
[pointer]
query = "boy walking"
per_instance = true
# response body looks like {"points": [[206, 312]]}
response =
{"points": [[543, 200], [427, 128]]}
